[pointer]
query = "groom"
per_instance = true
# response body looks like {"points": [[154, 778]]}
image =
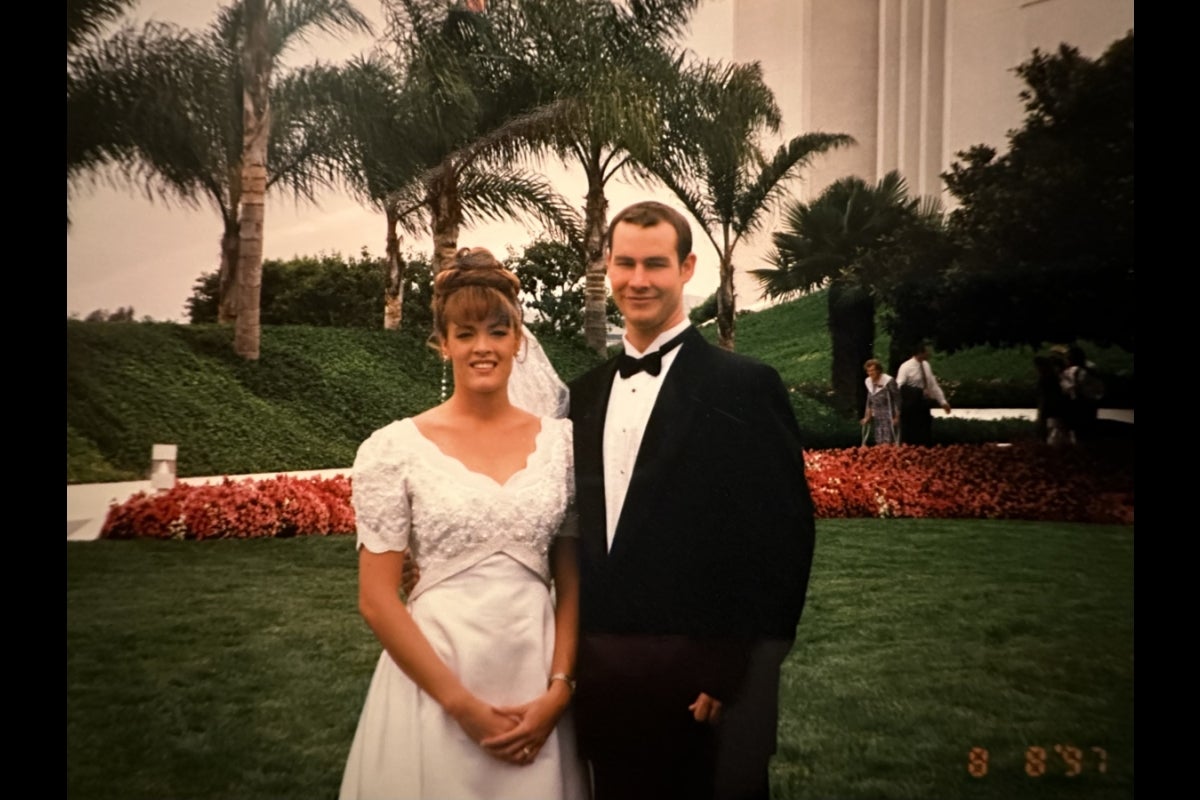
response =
{"points": [[696, 539]]}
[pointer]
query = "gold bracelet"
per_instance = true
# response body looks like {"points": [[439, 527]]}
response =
{"points": [[565, 678]]}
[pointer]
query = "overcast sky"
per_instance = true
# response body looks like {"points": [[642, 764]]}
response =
{"points": [[123, 250]]}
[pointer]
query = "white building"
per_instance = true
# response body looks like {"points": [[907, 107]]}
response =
{"points": [[913, 81]]}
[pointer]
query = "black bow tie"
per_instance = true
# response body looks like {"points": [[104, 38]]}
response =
{"points": [[650, 363]]}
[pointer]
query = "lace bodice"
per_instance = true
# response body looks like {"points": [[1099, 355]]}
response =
{"points": [[408, 494]]}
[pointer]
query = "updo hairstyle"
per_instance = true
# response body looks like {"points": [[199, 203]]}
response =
{"points": [[475, 288]]}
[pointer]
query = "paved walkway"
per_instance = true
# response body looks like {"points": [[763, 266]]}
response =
{"points": [[87, 503]]}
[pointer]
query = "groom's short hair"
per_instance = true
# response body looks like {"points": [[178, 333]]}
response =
{"points": [[649, 213]]}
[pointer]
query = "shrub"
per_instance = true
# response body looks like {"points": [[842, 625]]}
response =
{"points": [[325, 291]]}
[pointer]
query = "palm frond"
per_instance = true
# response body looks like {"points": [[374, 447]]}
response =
{"points": [[303, 152], [498, 194], [767, 185], [149, 92], [87, 18], [516, 137], [832, 237], [295, 21], [289, 22]]}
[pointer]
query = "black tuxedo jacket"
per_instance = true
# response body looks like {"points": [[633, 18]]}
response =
{"points": [[715, 540]]}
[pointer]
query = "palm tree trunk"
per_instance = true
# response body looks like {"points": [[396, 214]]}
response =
{"points": [[852, 341], [725, 302], [256, 113], [595, 296], [445, 211], [393, 292], [227, 277]]}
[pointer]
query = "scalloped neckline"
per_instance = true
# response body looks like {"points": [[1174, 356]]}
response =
{"points": [[529, 457]]}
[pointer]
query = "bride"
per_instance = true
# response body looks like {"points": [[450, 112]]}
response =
{"points": [[470, 696]]}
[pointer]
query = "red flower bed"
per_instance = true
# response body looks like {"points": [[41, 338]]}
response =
{"points": [[1023, 481], [279, 506]]}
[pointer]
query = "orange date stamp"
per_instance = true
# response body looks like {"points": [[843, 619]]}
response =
{"points": [[1059, 759]]}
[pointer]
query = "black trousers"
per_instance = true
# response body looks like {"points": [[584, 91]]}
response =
{"points": [[680, 769], [916, 423], [747, 732], [632, 717]]}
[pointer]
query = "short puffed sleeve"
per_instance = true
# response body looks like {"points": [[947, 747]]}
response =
{"points": [[570, 523], [379, 490]]}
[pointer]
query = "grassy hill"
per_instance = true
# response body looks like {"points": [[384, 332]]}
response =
{"points": [[316, 393]]}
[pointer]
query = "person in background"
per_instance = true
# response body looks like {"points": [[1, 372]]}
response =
{"points": [[919, 391], [1051, 400], [1084, 388], [883, 403]]}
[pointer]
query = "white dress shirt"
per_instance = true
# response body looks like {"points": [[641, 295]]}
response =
{"points": [[916, 372], [630, 402]]}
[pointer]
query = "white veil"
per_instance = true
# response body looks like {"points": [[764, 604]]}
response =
{"points": [[533, 384]]}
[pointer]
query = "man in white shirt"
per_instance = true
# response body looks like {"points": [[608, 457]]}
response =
{"points": [[696, 539], [919, 391]]}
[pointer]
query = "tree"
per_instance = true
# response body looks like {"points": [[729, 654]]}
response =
{"points": [[551, 275], [905, 270], [719, 171], [615, 64], [328, 290], [377, 129], [1047, 229], [422, 128], [472, 120], [256, 129], [826, 244], [176, 97], [88, 145], [99, 97], [552, 285], [400, 153], [86, 18]]}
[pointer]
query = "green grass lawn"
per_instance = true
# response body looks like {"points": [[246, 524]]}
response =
{"points": [[237, 668]]}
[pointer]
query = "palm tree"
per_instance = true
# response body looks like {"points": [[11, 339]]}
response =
{"points": [[468, 120], [99, 98], [87, 145], [86, 18], [393, 153], [827, 244], [178, 99], [615, 62], [379, 163], [256, 130], [719, 172]]}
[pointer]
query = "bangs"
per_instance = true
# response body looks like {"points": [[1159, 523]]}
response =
{"points": [[478, 304]]}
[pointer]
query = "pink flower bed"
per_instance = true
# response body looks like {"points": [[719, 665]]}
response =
{"points": [[1023, 481]]}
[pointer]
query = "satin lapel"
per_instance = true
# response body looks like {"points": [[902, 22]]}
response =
{"points": [[671, 422], [589, 440]]}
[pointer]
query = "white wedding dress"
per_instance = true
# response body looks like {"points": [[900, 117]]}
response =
{"points": [[484, 603]]}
